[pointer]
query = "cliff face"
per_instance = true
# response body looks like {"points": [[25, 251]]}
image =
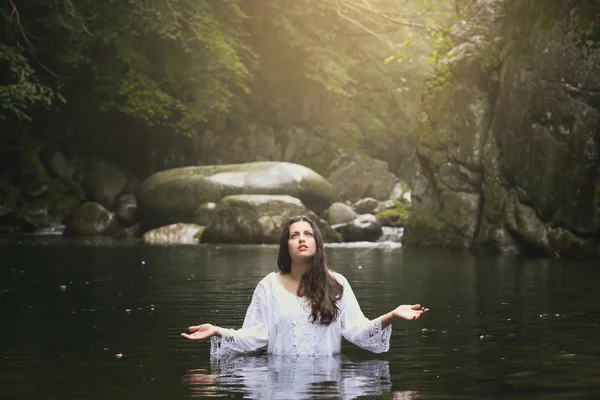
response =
{"points": [[509, 151]]}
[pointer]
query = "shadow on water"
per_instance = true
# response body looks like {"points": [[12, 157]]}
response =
{"points": [[99, 318]]}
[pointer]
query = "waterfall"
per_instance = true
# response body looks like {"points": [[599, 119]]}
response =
{"points": [[391, 234]]}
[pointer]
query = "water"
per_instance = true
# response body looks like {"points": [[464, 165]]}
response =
{"points": [[97, 319]]}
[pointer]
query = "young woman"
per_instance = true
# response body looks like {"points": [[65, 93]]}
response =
{"points": [[305, 309]]}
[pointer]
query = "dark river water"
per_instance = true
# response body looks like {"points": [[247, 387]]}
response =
{"points": [[99, 319]]}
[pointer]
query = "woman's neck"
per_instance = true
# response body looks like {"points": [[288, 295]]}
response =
{"points": [[298, 269]]}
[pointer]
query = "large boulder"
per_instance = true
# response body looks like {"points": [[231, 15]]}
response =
{"points": [[257, 219], [174, 195], [339, 213]]}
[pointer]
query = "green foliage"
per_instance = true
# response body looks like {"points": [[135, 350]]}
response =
{"points": [[185, 67], [22, 89], [163, 64], [198, 235], [10, 196]]}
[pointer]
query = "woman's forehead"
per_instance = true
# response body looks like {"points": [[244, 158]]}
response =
{"points": [[300, 226]]}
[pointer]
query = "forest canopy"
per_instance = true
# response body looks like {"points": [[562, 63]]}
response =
{"points": [[122, 72]]}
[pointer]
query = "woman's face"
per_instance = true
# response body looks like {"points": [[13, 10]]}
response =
{"points": [[301, 242]]}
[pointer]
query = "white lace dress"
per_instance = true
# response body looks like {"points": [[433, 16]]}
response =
{"points": [[280, 320]]}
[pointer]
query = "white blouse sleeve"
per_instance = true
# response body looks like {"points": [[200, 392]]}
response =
{"points": [[253, 335], [359, 330]]}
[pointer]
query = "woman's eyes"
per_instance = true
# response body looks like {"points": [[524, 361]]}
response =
{"points": [[295, 235]]}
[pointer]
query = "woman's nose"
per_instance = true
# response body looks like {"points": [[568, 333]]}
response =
{"points": [[301, 239]]}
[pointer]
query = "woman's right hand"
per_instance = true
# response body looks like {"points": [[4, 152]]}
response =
{"points": [[200, 332]]}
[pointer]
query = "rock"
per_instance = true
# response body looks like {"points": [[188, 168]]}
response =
{"points": [[204, 214], [366, 206], [398, 191], [360, 177], [509, 151], [91, 219], [11, 222], [132, 231], [60, 166], [34, 178], [339, 213], [174, 234], [388, 205], [394, 216], [174, 195], [257, 219], [364, 228], [126, 209], [527, 228], [104, 182], [50, 210]]}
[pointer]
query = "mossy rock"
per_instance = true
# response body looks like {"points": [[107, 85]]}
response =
{"points": [[396, 216], [329, 234]]}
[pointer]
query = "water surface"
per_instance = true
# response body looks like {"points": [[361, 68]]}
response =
{"points": [[96, 318]]}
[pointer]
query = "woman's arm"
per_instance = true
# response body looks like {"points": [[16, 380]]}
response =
{"points": [[201, 332], [373, 335], [408, 312], [253, 335]]}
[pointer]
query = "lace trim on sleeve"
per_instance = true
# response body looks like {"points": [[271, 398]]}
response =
{"points": [[371, 337], [221, 346]]}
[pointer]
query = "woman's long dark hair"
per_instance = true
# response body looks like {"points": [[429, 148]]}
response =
{"points": [[317, 284]]}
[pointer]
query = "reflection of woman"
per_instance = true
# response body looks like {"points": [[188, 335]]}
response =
{"points": [[305, 309], [292, 377]]}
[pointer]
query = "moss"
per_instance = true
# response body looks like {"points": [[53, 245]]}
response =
{"points": [[425, 231], [396, 216], [329, 234], [198, 235]]}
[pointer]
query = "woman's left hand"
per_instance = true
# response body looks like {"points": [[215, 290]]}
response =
{"points": [[410, 312]]}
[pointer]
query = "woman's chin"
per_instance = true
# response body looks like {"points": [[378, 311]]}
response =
{"points": [[303, 256]]}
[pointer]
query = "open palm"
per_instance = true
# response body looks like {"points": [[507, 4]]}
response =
{"points": [[200, 332], [410, 312]]}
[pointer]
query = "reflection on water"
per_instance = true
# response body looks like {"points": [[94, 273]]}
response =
{"points": [[284, 377]]}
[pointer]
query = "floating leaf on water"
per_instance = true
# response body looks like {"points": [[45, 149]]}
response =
{"points": [[520, 374], [567, 355]]}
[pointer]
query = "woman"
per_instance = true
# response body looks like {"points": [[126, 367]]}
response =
{"points": [[305, 309]]}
